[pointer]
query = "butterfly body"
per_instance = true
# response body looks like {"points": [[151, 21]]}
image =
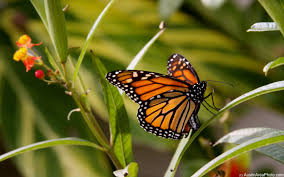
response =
{"points": [[168, 103]]}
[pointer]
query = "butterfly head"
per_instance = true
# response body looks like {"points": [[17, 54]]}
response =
{"points": [[203, 85], [197, 92]]}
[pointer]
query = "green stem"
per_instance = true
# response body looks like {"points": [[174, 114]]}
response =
{"points": [[96, 129], [92, 123]]}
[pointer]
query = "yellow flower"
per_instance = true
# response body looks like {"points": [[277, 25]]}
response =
{"points": [[20, 54], [26, 41]]}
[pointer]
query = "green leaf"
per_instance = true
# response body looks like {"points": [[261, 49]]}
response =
{"points": [[47, 144], [89, 39], [133, 169], [57, 27], [118, 119], [177, 156], [273, 87], [39, 6], [263, 26], [273, 64], [268, 139], [168, 7], [32, 119], [275, 151], [275, 10]]}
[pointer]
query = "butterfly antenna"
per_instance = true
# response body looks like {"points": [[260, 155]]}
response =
{"points": [[208, 109], [226, 83]]}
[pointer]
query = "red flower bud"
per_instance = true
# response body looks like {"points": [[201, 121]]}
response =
{"points": [[39, 74]]}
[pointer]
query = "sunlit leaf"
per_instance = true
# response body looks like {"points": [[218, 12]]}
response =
{"points": [[268, 139], [130, 170], [57, 27], [275, 151], [89, 38], [47, 144], [177, 156], [118, 119], [39, 6], [263, 26], [273, 64], [275, 10]]}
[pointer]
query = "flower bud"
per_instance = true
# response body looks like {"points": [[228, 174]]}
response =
{"points": [[39, 74]]}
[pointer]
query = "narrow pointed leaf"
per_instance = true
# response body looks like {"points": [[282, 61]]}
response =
{"points": [[268, 139], [142, 52], [130, 170], [49, 143], [118, 119], [273, 64], [177, 156], [89, 38], [57, 27], [275, 151], [275, 10], [263, 26], [39, 6], [133, 169]]}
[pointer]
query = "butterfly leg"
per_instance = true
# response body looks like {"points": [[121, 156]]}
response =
{"points": [[214, 107], [207, 108]]}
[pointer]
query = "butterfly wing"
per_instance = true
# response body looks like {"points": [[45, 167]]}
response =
{"points": [[167, 114], [140, 86], [181, 69]]}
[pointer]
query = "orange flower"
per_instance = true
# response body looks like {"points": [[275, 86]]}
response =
{"points": [[29, 62], [26, 41], [22, 54]]}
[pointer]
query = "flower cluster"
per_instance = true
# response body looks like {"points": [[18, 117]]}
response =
{"points": [[27, 55]]}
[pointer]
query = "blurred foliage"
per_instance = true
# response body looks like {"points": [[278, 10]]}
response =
{"points": [[214, 41]]}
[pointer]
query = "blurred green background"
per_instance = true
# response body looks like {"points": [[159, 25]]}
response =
{"points": [[213, 39]]}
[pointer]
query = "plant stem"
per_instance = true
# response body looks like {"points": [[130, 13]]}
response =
{"points": [[92, 123], [96, 129]]}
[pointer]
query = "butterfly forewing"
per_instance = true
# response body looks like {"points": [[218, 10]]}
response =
{"points": [[181, 69], [142, 85]]}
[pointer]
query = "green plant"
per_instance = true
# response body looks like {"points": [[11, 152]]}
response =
{"points": [[119, 146]]}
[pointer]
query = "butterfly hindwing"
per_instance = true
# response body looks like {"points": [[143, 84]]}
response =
{"points": [[142, 85], [167, 114], [181, 69]]}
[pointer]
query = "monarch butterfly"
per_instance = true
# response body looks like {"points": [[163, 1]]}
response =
{"points": [[168, 103]]}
